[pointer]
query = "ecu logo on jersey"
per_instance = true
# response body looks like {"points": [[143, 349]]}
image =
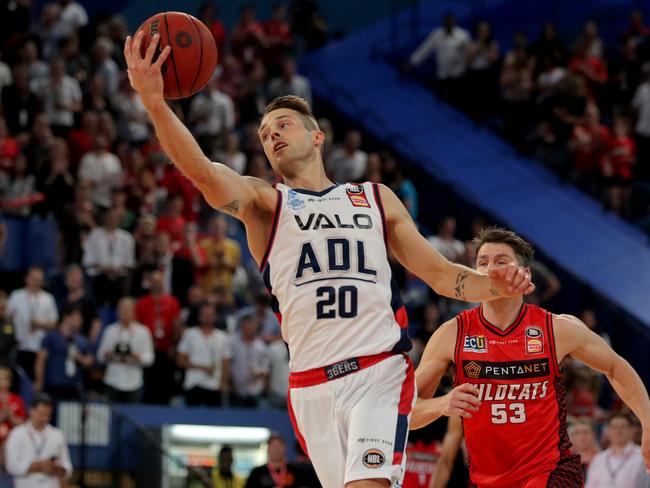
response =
{"points": [[472, 369], [357, 196], [475, 344], [534, 340]]}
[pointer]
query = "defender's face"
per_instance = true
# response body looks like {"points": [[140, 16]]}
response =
{"points": [[494, 255], [286, 140]]}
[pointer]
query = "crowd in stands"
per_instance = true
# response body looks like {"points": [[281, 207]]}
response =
{"points": [[580, 105], [154, 297]]}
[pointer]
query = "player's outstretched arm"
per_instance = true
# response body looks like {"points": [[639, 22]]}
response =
{"points": [[448, 453], [446, 278], [223, 188], [437, 356], [572, 337]]}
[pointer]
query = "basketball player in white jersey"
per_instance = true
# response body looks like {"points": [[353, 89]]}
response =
{"points": [[322, 249]]}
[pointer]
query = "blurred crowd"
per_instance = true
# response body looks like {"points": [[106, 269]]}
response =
{"points": [[580, 105]]}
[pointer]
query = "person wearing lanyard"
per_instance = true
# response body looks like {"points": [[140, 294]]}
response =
{"points": [[278, 472], [621, 465], [36, 452], [160, 313]]}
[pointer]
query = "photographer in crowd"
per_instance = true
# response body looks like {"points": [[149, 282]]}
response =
{"points": [[126, 348]]}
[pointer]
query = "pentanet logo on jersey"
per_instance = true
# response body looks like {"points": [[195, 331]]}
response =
{"points": [[507, 370], [534, 340], [373, 458], [475, 344], [357, 196]]}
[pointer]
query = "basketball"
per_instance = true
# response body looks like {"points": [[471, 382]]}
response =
{"points": [[193, 56]]}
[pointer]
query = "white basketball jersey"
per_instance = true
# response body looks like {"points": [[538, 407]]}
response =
{"points": [[327, 269]]}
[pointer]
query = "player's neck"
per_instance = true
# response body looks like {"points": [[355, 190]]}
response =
{"points": [[502, 312], [312, 177]]}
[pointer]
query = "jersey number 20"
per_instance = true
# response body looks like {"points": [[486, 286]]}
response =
{"points": [[344, 301]]}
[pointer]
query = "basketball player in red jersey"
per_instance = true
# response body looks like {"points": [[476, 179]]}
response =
{"points": [[509, 393], [322, 249]]}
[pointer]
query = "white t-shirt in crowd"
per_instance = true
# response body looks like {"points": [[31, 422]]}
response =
{"points": [[105, 249], [641, 103], [120, 375], [104, 171], [25, 445], [205, 350], [450, 48], [23, 307], [625, 470]]}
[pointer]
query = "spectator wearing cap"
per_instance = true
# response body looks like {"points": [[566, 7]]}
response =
{"points": [[109, 256], [250, 364], [36, 452], [64, 356], [33, 313], [205, 353], [160, 313], [126, 348]]}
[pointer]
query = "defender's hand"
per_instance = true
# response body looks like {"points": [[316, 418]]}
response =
{"points": [[145, 76], [511, 280]]}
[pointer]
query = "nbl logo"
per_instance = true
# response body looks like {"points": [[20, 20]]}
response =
{"points": [[373, 459], [475, 344]]}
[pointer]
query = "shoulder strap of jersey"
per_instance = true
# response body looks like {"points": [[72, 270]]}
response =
{"points": [[551, 341], [274, 227], [460, 334]]}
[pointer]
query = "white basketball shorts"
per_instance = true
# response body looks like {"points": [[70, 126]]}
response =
{"points": [[352, 417]]}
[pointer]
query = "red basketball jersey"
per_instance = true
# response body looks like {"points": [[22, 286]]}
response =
{"points": [[518, 437]]}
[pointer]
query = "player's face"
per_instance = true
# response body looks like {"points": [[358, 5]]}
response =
{"points": [[286, 141], [494, 255]]}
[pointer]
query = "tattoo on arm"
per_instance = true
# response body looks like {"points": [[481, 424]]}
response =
{"points": [[231, 208], [460, 285], [494, 292]]}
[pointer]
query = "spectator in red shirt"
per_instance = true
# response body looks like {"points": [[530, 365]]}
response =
{"points": [[248, 38], [591, 67], [8, 147], [209, 16], [160, 313], [12, 409], [588, 145], [172, 222], [617, 166], [278, 36]]}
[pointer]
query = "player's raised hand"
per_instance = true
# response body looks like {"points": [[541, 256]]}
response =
{"points": [[144, 73], [461, 401], [511, 280]]}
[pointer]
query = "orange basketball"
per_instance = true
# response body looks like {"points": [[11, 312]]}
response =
{"points": [[193, 57]]}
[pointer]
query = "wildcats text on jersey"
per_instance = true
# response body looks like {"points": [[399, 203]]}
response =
{"points": [[488, 392], [507, 370]]}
